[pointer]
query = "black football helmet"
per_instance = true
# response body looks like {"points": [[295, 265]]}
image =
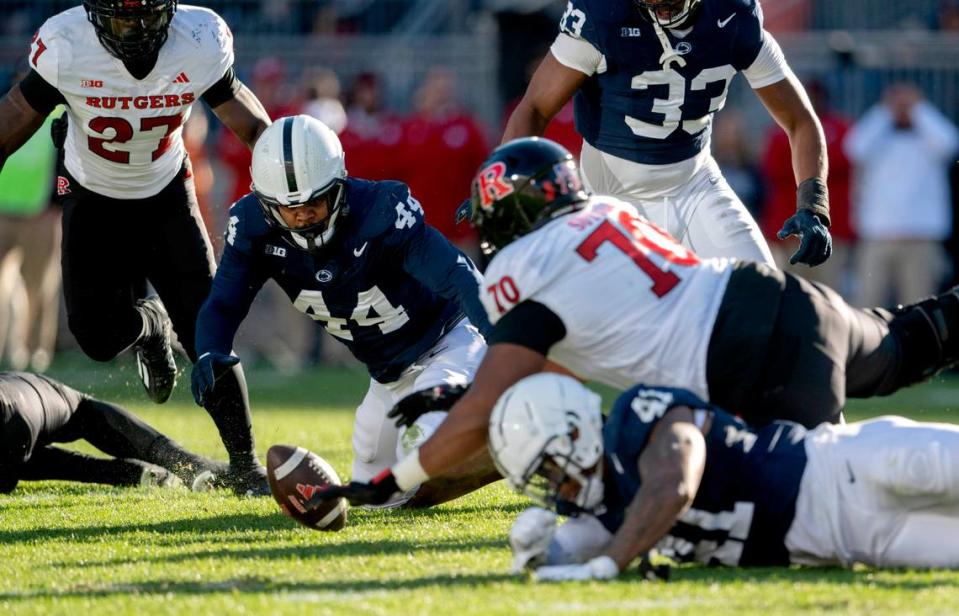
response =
{"points": [[523, 184], [131, 29], [668, 13]]}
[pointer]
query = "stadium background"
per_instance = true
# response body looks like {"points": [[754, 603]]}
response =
{"points": [[67, 548]]}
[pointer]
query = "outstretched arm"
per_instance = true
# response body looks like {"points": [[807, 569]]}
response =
{"points": [[18, 122], [551, 87], [670, 468], [244, 115]]}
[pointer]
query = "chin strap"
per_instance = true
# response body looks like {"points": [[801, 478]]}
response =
{"points": [[670, 55]]}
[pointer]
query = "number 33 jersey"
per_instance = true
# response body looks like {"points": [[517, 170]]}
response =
{"points": [[637, 307], [126, 134]]}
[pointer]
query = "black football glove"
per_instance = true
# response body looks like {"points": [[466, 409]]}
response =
{"points": [[438, 398], [810, 223], [207, 369], [376, 492], [58, 130]]}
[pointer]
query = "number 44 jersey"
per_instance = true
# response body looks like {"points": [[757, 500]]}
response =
{"points": [[637, 307], [125, 139]]}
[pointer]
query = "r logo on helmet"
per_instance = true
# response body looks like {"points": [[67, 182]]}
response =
{"points": [[492, 185]]}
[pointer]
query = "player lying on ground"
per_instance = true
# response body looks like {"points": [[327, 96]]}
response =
{"points": [[648, 76], [36, 411], [357, 257], [587, 283], [129, 74], [670, 471]]}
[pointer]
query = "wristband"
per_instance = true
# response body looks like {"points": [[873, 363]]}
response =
{"points": [[812, 195], [409, 473]]}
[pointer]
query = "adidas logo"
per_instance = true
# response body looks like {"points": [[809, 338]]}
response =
{"points": [[181, 78]]}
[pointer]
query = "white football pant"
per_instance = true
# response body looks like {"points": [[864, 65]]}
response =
{"points": [[377, 443], [883, 492], [689, 199]]}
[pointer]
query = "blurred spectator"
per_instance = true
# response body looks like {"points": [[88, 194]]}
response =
{"points": [[322, 88], [269, 84], [562, 128], [373, 136], [732, 150], [29, 253], [780, 200], [442, 147], [901, 148]]}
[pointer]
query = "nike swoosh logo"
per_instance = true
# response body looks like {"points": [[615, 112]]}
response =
{"points": [[358, 252], [722, 22]]}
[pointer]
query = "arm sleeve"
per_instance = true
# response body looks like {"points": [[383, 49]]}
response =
{"points": [[578, 54], [236, 283], [529, 324], [223, 90], [935, 130], [431, 259], [39, 94], [770, 65]]}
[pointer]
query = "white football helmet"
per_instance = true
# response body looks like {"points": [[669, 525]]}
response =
{"points": [[295, 160], [545, 429]]}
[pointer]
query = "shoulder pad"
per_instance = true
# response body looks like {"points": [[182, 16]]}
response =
{"points": [[373, 207], [210, 34], [246, 223], [581, 21], [50, 47]]}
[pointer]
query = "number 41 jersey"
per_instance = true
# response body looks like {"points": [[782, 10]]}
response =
{"points": [[636, 306], [126, 135]]}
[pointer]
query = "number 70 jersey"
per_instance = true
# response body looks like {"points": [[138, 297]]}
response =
{"points": [[126, 135], [637, 306]]}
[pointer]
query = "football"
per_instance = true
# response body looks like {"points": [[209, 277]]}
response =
{"points": [[295, 474]]}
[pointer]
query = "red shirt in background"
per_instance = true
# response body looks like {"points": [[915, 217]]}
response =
{"points": [[439, 158], [778, 171], [373, 146]]}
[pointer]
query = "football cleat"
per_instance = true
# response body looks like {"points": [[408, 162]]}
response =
{"points": [[154, 351], [244, 481]]}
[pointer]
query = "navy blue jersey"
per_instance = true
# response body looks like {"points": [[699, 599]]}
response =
{"points": [[640, 111], [388, 285], [747, 498]]}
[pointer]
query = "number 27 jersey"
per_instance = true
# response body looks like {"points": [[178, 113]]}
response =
{"points": [[126, 135], [637, 306]]}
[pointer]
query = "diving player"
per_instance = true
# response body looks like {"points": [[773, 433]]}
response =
{"points": [[585, 285], [358, 258], [129, 74], [647, 76], [37, 411], [670, 471]]}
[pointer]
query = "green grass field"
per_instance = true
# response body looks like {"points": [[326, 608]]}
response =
{"points": [[77, 549]]}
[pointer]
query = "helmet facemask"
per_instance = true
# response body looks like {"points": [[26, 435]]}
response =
{"points": [[677, 12], [131, 30], [312, 237], [545, 481]]}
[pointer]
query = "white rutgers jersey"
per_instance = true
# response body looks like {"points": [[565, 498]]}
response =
{"points": [[126, 134], [637, 306]]}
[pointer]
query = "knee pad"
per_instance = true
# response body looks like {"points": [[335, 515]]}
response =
{"points": [[916, 471], [928, 335]]}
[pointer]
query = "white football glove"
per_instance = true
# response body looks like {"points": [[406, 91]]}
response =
{"points": [[530, 537], [599, 568]]}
